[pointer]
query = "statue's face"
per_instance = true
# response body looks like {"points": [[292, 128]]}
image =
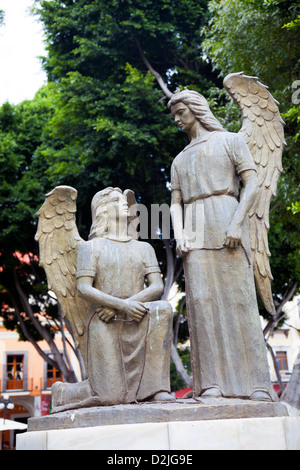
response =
{"points": [[183, 116], [117, 206]]}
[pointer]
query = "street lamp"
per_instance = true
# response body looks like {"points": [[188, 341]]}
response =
{"points": [[6, 404]]}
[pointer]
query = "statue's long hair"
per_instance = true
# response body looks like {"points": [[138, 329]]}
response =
{"points": [[199, 107], [99, 212]]}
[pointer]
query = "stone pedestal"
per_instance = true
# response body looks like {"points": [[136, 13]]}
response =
{"points": [[184, 425]]}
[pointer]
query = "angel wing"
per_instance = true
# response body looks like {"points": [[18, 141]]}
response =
{"points": [[263, 132], [133, 219], [59, 240]]}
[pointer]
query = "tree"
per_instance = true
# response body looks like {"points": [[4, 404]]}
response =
{"points": [[106, 124], [254, 35], [107, 100], [24, 297], [111, 122], [110, 67], [97, 38]]}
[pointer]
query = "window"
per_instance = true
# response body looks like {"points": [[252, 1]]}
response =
{"points": [[15, 372], [281, 359], [53, 374]]}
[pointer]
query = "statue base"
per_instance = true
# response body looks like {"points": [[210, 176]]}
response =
{"points": [[182, 425]]}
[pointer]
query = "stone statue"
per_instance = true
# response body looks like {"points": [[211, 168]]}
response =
{"points": [[109, 289], [222, 235]]}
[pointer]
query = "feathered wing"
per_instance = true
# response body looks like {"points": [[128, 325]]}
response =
{"points": [[133, 219], [263, 132], [59, 240]]}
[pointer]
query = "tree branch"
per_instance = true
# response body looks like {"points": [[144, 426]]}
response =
{"points": [[182, 303], [170, 270], [28, 336], [69, 375], [158, 77], [179, 366], [179, 270], [64, 340], [276, 368], [276, 319]]}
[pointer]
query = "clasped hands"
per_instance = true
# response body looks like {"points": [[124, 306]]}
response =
{"points": [[135, 310]]}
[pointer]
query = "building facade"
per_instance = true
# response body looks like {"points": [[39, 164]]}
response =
{"points": [[27, 378], [285, 343]]}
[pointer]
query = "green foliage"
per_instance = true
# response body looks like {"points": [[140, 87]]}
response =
{"points": [[110, 135], [253, 37], [111, 125], [23, 184], [97, 38], [101, 121]]}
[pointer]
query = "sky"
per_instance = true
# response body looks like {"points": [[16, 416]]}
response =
{"points": [[21, 42]]}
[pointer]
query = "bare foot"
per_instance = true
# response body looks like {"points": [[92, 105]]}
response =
{"points": [[162, 396], [260, 396], [211, 392]]}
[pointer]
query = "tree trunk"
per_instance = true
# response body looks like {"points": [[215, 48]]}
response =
{"points": [[271, 325], [182, 303], [169, 279], [179, 367], [291, 395], [158, 77], [277, 371], [68, 374]]}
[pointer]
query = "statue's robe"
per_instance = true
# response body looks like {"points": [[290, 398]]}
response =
{"points": [[228, 350], [127, 361]]}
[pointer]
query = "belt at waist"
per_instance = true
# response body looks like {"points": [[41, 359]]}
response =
{"points": [[202, 198]]}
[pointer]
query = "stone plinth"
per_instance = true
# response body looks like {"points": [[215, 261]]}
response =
{"points": [[184, 425], [226, 434], [181, 410]]}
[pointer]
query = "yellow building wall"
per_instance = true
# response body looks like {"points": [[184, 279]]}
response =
{"points": [[35, 365]]}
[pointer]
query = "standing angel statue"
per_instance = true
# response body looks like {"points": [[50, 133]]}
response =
{"points": [[109, 289], [222, 235]]}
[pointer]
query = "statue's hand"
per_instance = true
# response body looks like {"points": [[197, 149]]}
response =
{"points": [[233, 236], [105, 313], [182, 247], [135, 310]]}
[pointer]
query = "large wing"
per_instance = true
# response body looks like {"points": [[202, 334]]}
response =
{"points": [[133, 218], [59, 240], [263, 131]]}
